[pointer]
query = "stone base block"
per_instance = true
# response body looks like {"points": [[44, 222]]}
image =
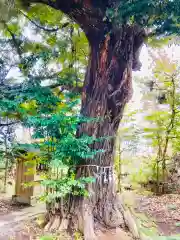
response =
{"points": [[24, 200]]}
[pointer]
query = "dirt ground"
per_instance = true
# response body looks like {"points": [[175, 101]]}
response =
{"points": [[164, 210], [6, 206], [29, 229]]}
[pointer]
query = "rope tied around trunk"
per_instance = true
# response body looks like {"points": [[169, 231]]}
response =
{"points": [[101, 172]]}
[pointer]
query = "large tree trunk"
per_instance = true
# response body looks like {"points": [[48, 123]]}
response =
{"points": [[114, 53], [107, 89]]}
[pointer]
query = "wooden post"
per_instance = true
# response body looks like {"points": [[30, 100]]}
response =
{"points": [[25, 174]]}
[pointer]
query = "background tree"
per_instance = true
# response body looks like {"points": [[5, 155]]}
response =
{"points": [[127, 145], [160, 120], [39, 100], [25, 61]]}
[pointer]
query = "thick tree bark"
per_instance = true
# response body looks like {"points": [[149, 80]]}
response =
{"points": [[107, 88]]}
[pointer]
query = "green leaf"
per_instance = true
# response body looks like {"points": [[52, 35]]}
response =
{"points": [[46, 238], [177, 224], [172, 207]]}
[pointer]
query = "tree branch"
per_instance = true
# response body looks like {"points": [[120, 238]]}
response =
{"points": [[44, 77], [14, 40], [88, 14], [66, 87], [18, 87], [8, 124], [39, 26]]}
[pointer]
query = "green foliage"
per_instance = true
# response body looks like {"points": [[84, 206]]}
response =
{"points": [[44, 100], [159, 131], [159, 42], [147, 171], [172, 207], [165, 116], [160, 16], [167, 238], [47, 238], [62, 236], [129, 131], [177, 224], [55, 121]]}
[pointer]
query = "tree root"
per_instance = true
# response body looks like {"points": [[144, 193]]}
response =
{"points": [[113, 215], [88, 220], [64, 225], [79, 213], [82, 218], [55, 224]]}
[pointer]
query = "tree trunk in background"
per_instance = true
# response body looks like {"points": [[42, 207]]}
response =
{"points": [[114, 53]]}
